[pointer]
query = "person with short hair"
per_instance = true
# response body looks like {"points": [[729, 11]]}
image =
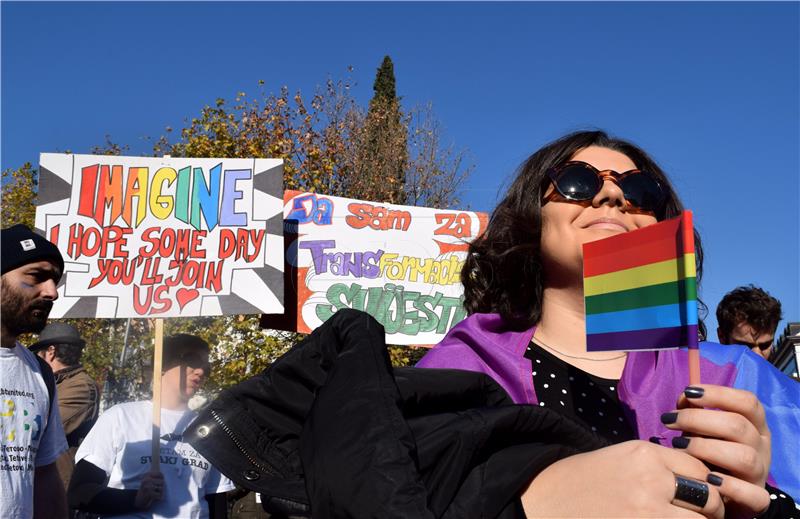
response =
{"points": [[30, 424], [749, 316], [61, 346], [113, 473]]}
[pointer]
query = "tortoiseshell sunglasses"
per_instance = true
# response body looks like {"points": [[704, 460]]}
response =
{"points": [[579, 182]]}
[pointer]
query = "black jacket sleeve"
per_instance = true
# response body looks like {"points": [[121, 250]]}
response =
{"points": [[331, 427], [217, 505], [88, 492], [781, 505]]}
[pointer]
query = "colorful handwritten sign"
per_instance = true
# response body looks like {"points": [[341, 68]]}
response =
{"points": [[400, 264], [164, 237], [640, 288]]}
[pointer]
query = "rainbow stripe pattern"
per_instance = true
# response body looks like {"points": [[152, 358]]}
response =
{"points": [[640, 288]]}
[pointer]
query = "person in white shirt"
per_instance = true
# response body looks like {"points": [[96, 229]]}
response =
{"points": [[113, 474], [31, 434]]}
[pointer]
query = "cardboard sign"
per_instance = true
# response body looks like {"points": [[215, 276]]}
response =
{"points": [[164, 237], [400, 264]]}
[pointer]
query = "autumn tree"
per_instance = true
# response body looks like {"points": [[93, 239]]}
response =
{"points": [[436, 169], [105, 338], [329, 144], [19, 193]]}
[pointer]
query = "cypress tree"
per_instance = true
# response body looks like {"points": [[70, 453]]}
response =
{"points": [[383, 153], [384, 81]]}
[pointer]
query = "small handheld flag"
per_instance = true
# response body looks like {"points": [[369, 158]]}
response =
{"points": [[640, 288]]}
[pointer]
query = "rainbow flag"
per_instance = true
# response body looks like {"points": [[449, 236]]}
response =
{"points": [[640, 288]]}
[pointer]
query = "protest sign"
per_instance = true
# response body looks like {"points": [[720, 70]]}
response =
{"points": [[400, 264], [164, 237]]}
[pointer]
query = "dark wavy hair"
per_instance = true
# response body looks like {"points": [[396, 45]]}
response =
{"points": [[751, 305], [503, 271], [68, 354]]}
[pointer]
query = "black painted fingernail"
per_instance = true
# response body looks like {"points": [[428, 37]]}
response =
{"points": [[668, 418], [693, 392], [680, 442], [714, 480], [655, 439]]}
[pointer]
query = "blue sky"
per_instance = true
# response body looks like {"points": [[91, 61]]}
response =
{"points": [[709, 89]]}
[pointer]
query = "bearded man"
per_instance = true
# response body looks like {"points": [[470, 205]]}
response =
{"points": [[30, 424]]}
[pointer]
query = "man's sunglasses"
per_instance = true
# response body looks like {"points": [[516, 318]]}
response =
{"points": [[196, 361], [579, 182], [763, 346]]}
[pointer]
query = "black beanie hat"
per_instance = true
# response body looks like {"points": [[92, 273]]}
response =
{"points": [[19, 246]]}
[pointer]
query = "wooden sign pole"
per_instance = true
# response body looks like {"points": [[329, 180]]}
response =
{"points": [[158, 349], [157, 354]]}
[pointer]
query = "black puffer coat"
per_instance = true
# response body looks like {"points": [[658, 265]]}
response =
{"points": [[331, 429]]}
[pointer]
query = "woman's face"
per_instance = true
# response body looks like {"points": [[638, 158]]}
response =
{"points": [[567, 226]]}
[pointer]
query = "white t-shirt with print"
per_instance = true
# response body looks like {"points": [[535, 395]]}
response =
{"points": [[30, 437], [120, 444]]}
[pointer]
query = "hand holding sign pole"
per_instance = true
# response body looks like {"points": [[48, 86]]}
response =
{"points": [[640, 291]]}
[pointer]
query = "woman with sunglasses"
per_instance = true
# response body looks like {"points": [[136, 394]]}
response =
{"points": [[709, 453]]}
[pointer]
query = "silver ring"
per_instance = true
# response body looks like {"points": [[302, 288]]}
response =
{"points": [[690, 491]]}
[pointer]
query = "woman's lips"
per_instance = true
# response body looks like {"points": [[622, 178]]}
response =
{"points": [[610, 224]]}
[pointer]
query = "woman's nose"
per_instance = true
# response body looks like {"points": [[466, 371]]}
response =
{"points": [[610, 194]]}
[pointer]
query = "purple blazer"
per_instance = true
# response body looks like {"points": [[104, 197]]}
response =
{"points": [[650, 385]]}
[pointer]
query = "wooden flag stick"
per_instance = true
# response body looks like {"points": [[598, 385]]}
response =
{"points": [[687, 236], [694, 365], [157, 354]]}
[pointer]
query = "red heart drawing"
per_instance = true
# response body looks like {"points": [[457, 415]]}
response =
{"points": [[184, 295]]}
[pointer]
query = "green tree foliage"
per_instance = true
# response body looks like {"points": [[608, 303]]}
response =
{"points": [[125, 378], [329, 145], [19, 193], [105, 338], [384, 85], [381, 145]]}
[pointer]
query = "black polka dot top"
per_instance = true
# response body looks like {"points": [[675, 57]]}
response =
{"points": [[594, 402], [568, 390]]}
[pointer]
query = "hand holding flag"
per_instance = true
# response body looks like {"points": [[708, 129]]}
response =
{"points": [[640, 290]]}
